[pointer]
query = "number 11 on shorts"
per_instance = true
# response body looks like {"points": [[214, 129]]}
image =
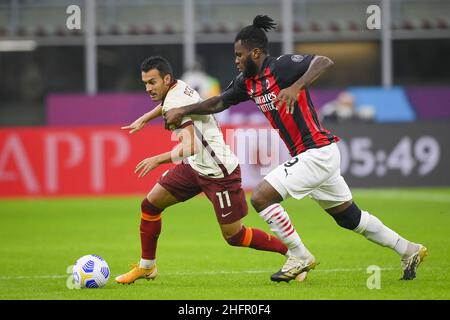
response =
{"points": [[222, 195]]}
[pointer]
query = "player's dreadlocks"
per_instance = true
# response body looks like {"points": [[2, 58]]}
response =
{"points": [[254, 36]]}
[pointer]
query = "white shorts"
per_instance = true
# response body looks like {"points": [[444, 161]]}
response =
{"points": [[315, 173]]}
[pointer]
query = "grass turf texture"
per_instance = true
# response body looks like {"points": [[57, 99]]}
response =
{"points": [[40, 238]]}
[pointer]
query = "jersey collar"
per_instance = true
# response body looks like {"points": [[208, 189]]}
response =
{"points": [[171, 86]]}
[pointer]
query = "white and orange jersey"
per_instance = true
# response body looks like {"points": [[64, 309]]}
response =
{"points": [[214, 157]]}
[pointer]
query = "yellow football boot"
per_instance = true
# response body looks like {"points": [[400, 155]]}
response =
{"points": [[137, 273]]}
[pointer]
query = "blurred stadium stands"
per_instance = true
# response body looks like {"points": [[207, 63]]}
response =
{"points": [[128, 31], [24, 18]]}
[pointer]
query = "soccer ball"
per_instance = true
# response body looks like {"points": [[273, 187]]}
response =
{"points": [[91, 271]]}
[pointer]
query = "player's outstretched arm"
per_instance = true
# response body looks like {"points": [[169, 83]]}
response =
{"points": [[187, 147], [289, 95], [139, 123], [212, 105]]}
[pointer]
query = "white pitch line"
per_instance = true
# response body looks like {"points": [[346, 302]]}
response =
{"points": [[220, 272], [265, 271]]}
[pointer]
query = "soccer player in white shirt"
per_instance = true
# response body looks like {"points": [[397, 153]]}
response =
{"points": [[208, 166]]}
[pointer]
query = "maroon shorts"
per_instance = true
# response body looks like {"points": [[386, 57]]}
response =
{"points": [[226, 193]]}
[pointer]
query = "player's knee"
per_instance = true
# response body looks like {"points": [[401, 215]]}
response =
{"points": [[237, 239], [264, 196], [349, 218], [148, 208], [258, 201]]}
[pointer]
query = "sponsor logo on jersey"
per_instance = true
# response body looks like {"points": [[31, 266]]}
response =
{"points": [[297, 58], [265, 102]]}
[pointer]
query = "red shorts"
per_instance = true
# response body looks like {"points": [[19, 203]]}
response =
{"points": [[226, 193]]}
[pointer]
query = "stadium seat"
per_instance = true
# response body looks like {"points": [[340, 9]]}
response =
{"points": [[100, 30], [334, 26], [314, 26], [442, 23], [42, 31], [223, 28], [21, 31], [205, 27], [60, 31], [3, 31], [113, 30], [353, 26], [407, 25], [76, 32], [134, 29], [169, 29], [298, 27], [148, 29], [427, 24]]}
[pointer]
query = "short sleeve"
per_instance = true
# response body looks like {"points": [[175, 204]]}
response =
{"points": [[235, 92], [180, 97], [186, 121], [292, 66]]}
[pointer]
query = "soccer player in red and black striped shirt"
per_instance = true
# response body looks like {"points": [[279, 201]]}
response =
{"points": [[279, 87]]}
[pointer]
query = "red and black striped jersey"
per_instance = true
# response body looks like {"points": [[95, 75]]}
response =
{"points": [[300, 130]]}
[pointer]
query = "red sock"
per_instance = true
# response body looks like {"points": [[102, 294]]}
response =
{"points": [[257, 239], [150, 229]]}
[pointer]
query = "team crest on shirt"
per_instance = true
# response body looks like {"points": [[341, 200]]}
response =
{"points": [[267, 83], [297, 58]]}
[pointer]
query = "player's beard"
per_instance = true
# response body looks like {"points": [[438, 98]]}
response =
{"points": [[250, 68]]}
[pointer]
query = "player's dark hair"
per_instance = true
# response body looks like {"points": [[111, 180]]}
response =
{"points": [[158, 63], [254, 36]]}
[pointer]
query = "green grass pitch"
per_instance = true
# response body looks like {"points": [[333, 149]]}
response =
{"points": [[41, 238]]}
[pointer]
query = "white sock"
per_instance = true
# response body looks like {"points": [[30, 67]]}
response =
{"points": [[280, 224], [146, 263], [374, 230]]}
